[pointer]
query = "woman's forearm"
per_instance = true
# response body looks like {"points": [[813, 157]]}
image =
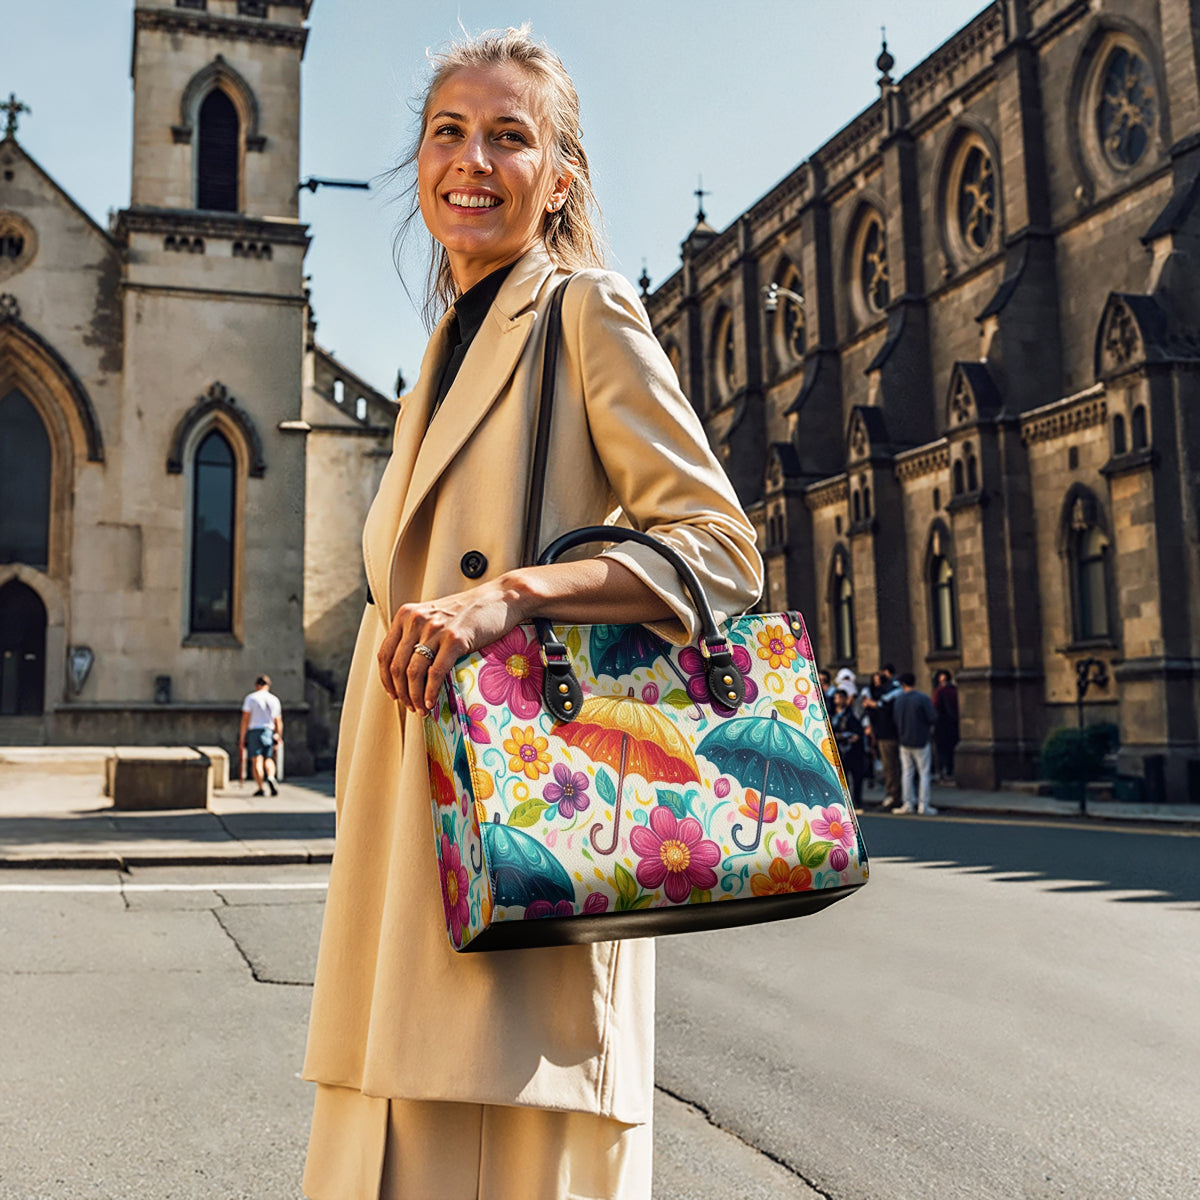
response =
{"points": [[591, 591]]}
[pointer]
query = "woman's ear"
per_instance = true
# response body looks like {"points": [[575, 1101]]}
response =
{"points": [[558, 196]]}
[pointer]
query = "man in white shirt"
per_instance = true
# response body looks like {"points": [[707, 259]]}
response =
{"points": [[262, 725]]}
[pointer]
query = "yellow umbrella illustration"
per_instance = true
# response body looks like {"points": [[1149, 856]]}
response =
{"points": [[631, 737]]}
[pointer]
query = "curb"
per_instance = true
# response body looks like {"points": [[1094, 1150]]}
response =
{"points": [[126, 862]]}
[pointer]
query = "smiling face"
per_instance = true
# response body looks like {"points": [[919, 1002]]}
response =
{"points": [[485, 169]]}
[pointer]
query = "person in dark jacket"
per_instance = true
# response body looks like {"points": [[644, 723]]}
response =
{"points": [[945, 730], [914, 716], [848, 732]]}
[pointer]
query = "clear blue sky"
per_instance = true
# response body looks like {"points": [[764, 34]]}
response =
{"points": [[669, 89]]}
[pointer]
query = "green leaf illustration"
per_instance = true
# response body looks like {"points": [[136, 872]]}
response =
{"points": [[527, 813], [643, 901], [627, 889], [700, 897], [814, 855], [448, 828], [574, 641], [606, 787], [674, 801], [678, 698]]}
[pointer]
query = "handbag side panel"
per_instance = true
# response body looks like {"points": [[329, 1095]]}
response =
{"points": [[457, 809], [655, 797]]}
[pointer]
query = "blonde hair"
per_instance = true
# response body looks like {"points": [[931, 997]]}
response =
{"points": [[573, 234]]}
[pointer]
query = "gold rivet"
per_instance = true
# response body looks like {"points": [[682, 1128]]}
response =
{"points": [[795, 628], [568, 705], [564, 688], [727, 679], [732, 695]]}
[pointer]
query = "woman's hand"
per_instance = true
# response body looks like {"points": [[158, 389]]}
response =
{"points": [[446, 629]]}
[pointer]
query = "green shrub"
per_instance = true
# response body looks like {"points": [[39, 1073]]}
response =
{"points": [[1071, 757]]}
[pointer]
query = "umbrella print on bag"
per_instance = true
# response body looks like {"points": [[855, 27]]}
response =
{"points": [[620, 650], [632, 738], [775, 757], [521, 868]]}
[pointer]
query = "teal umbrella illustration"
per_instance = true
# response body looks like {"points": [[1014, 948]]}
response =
{"points": [[775, 757], [522, 869], [620, 650]]}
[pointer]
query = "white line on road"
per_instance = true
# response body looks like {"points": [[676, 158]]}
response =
{"points": [[162, 887]]}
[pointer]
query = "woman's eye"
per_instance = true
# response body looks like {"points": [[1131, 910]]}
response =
{"points": [[514, 136], [443, 130]]}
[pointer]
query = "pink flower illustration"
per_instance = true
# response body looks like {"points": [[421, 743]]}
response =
{"points": [[839, 860], [721, 788], [650, 693], [568, 791], [801, 702], [675, 854], [512, 674], [475, 727], [454, 890], [692, 661], [832, 826], [597, 902]]}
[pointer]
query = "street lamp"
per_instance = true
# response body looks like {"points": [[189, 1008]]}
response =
{"points": [[1087, 672], [312, 183], [773, 291]]}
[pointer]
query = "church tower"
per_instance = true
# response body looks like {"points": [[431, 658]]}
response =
{"points": [[211, 443]]}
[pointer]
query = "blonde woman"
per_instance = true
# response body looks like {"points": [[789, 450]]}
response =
{"points": [[523, 1075]]}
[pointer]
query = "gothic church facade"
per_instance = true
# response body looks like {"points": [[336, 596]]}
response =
{"points": [[183, 470], [952, 361]]}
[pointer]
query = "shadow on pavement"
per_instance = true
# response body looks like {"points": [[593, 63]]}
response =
{"points": [[1071, 859]]}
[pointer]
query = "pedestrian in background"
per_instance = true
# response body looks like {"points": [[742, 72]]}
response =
{"points": [[848, 733], [945, 731], [883, 726], [826, 688], [914, 715], [262, 726]]}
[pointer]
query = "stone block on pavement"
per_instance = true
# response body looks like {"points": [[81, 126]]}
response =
{"points": [[159, 777]]}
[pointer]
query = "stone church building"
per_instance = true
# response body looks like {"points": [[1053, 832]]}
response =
{"points": [[184, 472], [952, 361]]}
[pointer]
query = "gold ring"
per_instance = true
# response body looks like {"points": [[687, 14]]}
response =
{"points": [[424, 651]]}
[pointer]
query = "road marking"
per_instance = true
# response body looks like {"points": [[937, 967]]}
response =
{"points": [[162, 887]]}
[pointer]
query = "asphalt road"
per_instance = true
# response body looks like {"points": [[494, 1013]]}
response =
{"points": [[1008, 1010]]}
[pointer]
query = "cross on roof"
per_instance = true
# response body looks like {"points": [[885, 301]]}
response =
{"points": [[700, 193], [14, 108]]}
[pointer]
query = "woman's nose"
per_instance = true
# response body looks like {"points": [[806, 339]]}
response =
{"points": [[474, 159]]}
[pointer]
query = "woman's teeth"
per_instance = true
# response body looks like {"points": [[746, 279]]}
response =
{"points": [[462, 200]]}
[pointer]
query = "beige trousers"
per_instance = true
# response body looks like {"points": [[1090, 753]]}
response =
{"points": [[370, 1148]]}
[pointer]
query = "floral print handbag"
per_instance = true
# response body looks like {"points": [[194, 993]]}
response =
{"points": [[596, 782]]}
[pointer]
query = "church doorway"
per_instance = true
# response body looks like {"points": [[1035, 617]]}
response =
{"points": [[22, 651]]}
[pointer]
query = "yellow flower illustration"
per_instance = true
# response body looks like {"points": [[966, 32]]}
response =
{"points": [[527, 752], [777, 647]]}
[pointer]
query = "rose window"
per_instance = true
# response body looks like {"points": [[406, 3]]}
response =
{"points": [[1126, 111], [977, 199]]}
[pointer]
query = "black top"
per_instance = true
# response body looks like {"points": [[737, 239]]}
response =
{"points": [[469, 311]]}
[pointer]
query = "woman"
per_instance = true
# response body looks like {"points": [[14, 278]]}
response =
{"points": [[523, 1074]]}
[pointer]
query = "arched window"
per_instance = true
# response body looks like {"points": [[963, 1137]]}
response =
{"points": [[724, 355], [1141, 438], [866, 501], [843, 621], [972, 472], [941, 582], [218, 150], [1091, 584], [1127, 108], [976, 198], [22, 650], [959, 486], [856, 506], [872, 263], [788, 325], [1118, 434], [24, 483], [213, 509]]}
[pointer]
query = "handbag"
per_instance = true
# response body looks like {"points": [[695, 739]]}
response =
{"points": [[596, 782]]}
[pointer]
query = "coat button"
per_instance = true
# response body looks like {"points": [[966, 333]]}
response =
{"points": [[473, 564]]}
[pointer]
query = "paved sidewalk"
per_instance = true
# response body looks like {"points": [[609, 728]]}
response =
{"points": [[59, 817]]}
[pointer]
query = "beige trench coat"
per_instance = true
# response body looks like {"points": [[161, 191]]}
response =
{"points": [[396, 1012]]}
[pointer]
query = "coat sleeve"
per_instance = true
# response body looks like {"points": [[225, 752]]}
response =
{"points": [[654, 451]]}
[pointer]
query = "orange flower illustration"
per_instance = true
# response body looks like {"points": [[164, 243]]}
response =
{"points": [[781, 878], [527, 751], [777, 647]]}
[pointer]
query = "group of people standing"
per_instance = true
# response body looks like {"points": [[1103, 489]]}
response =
{"points": [[892, 723]]}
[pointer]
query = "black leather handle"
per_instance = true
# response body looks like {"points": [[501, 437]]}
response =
{"points": [[560, 689]]}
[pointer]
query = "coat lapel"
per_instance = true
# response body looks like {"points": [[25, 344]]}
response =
{"points": [[484, 374]]}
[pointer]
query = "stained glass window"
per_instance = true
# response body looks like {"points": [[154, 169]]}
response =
{"points": [[945, 635], [218, 151], [1126, 112], [873, 266], [1091, 591], [24, 483], [977, 199]]}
